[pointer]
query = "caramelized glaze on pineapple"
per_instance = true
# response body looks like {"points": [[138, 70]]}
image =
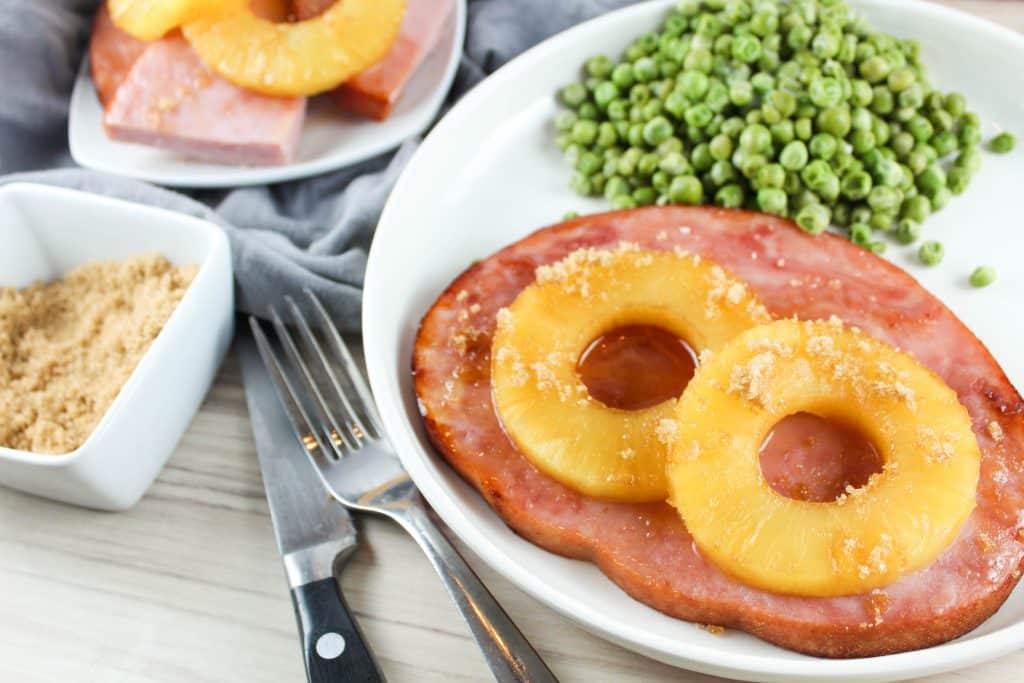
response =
{"points": [[868, 538], [544, 406], [301, 58]]}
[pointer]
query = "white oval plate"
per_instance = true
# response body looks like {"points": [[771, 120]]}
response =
{"points": [[488, 174], [331, 138]]}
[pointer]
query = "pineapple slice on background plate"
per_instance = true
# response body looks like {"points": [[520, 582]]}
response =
{"points": [[300, 58], [151, 19], [545, 407], [868, 538]]}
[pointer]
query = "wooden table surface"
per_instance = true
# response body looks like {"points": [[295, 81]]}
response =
{"points": [[188, 586]]}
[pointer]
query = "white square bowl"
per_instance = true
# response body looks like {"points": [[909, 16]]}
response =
{"points": [[46, 231]]}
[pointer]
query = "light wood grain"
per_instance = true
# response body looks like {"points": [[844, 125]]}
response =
{"points": [[188, 585]]}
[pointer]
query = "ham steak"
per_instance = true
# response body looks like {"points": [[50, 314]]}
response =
{"points": [[172, 100], [112, 52], [161, 94], [646, 548]]}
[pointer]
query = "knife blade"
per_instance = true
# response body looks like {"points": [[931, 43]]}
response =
{"points": [[315, 534]]}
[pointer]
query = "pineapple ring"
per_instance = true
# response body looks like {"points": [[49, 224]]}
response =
{"points": [[546, 409], [151, 19], [868, 538], [301, 58]]}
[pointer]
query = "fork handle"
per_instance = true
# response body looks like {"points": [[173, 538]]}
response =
{"points": [[333, 646], [509, 654]]}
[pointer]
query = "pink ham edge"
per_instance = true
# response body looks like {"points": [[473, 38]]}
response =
{"points": [[170, 99], [646, 549], [112, 53], [374, 92]]}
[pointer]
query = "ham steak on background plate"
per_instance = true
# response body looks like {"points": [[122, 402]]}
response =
{"points": [[160, 94]]}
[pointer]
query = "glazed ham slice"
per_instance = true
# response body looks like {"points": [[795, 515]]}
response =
{"points": [[112, 53], [646, 549], [375, 91], [171, 99]]}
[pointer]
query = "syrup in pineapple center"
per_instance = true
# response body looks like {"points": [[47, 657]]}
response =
{"points": [[807, 457], [636, 366]]}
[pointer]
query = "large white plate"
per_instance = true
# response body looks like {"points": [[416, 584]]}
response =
{"points": [[331, 138], [488, 174]]}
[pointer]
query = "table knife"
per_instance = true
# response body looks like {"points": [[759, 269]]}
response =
{"points": [[315, 535]]}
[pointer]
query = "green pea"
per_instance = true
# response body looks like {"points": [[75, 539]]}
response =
{"points": [[862, 141], [574, 94], [956, 104], [694, 84], [701, 157], [756, 138], [856, 185], [674, 163], [884, 199], [971, 159], [730, 196], [888, 173], [647, 164], [901, 79], [699, 59], [762, 82], [944, 143], [970, 135], [588, 163], [825, 45], [941, 198], [588, 110], [930, 253], [799, 37], [878, 247], [622, 76], [823, 146], [957, 179], [765, 22], [861, 119], [861, 234], [771, 175], [741, 93], [645, 196], [599, 66], [825, 92], [618, 110], [746, 48], [875, 69], [813, 218], [835, 120], [622, 201], [584, 132], [911, 98], [931, 179], [657, 130], [615, 186], [942, 120], [686, 189], [794, 156], [580, 183], [804, 129], [783, 132], [1002, 143], [916, 208], [883, 220], [983, 276], [721, 146], [772, 200], [908, 231]]}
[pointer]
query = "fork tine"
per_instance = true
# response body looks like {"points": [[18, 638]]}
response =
{"points": [[336, 434], [349, 367], [350, 417], [308, 436]]}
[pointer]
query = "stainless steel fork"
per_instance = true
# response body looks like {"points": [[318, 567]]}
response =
{"points": [[334, 417]]}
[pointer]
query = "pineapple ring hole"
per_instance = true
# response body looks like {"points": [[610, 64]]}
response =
{"points": [[817, 459], [633, 367]]}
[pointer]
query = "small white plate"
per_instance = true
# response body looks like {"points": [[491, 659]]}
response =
{"points": [[488, 174], [331, 138]]}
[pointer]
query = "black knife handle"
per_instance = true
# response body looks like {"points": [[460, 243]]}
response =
{"points": [[334, 648]]}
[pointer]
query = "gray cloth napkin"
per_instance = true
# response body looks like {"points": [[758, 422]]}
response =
{"points": [[308, 233]]}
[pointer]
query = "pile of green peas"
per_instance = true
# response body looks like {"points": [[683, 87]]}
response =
{"points": [[791, 107]]}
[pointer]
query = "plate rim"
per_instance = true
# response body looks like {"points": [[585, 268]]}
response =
{"points": [[955, 654], [246, 176]]}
